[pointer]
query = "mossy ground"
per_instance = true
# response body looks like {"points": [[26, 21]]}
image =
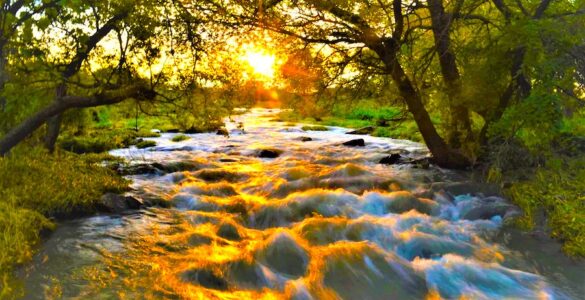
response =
{"points": [[35, 186]]}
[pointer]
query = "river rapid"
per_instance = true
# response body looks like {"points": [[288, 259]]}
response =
{"points": [[319, 221]]}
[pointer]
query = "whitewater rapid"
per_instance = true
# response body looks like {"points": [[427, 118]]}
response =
{"points": [[320, 221]]}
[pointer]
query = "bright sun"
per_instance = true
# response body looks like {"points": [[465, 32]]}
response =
{"points": [[261, 62]]}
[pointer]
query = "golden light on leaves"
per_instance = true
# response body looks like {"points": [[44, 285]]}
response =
{"points": [[260, 63]]}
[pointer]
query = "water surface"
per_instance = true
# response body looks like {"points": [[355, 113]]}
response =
{"points": [[320, 221]]}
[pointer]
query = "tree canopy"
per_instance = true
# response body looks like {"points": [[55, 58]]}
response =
{"points": [[493, 70]]}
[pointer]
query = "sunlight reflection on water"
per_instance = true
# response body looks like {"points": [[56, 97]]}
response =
{"points": [[321, 221]]}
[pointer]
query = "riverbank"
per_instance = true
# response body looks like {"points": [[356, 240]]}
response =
{"points": [[36, 187], [550, 194]]}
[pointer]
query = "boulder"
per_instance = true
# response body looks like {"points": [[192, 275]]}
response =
{"points": [[355, 143], [392, 159], [466, 187], [269, 153], [206, 278], [489, 207], [228, 231], [363, 130], [114, 203], [222, 131]]}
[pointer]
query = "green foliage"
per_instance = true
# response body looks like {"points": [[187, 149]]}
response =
{"points": [[558, 191], [315, 128], [35, 186], [535, 121], [180, 138]]}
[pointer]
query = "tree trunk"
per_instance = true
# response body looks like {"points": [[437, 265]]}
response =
{"points": [[3, 76], [444, 156], [460, 129], [27, 127], [54, 123]]}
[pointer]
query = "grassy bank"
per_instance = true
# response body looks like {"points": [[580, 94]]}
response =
{"points": [[36, 186], [387, 120], [548, 183], [554, 200]]}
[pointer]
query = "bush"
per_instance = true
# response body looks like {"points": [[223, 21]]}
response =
{"points": [[36, 186]]}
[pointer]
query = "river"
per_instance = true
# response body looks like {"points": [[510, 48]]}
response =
{"points": [[319, 221]]}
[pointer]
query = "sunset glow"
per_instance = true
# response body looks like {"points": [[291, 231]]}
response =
{"points": [[261, 63]]}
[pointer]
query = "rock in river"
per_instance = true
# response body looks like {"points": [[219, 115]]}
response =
{"points": [[355, 143], [363, 130], [392, 159], [114, 203], [269, 153]]}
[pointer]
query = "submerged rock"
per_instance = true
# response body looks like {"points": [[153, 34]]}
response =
{"points": [[360, 271], [114, 203], [228, 231], [355, 143], [206, 278], [247, 275], [466, 187], [363, 130], [197, 239], [487, 208], [305, 139], [285, 255], [403, 201], [391, 159]]}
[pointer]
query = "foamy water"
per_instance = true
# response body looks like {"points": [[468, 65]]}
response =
{"points": [[320, 221]]}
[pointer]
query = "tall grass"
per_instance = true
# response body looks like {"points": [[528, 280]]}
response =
{"points": [[34, 186]]}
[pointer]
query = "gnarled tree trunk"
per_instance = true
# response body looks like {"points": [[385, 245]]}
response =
{"points": [[444, 155], [28, 126], [460, 124]]}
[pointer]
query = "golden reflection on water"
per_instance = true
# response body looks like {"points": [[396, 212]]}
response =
{"points": [[319, 221]]}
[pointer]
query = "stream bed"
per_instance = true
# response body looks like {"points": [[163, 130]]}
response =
{"points": [[274, 212]]}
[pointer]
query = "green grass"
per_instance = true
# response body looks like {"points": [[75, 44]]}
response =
{"points": [[35, 186], [102, 140], [559, 190], [314, 128], [363, 115], [179, 138]]}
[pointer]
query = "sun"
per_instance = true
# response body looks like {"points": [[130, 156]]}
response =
{"points": [[261, 62]]}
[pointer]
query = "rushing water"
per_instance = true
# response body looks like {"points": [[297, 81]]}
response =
{"points": [[321, 221]]}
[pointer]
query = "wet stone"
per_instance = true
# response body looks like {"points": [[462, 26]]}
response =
{"points": [[363, 130], [114, 203], [391, 159], [206, 278], [355, 143], [197, 239], [269, 153], [228, 231], [285, 255], [305, 139]]}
